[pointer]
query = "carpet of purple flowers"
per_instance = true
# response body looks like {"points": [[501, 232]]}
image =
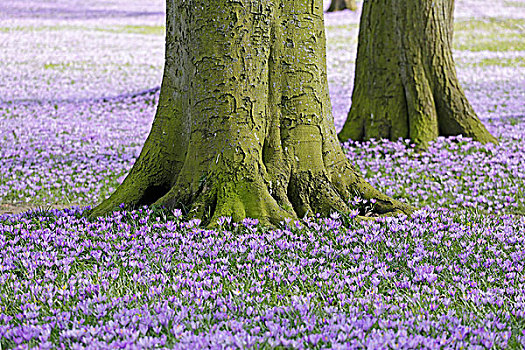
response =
{"points": [[77, 97]]}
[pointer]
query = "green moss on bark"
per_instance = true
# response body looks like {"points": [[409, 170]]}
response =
{"points": [[405, 82], [244, 125]]}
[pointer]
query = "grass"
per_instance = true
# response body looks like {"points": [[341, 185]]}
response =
{"points": [[489, 35], [147, 30], [292, 282], [498, 62], [118, 29], [519, 4], [452, 276], [57, 66]]}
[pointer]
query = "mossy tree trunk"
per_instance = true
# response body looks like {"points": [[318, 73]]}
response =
{"points": [[338, 5], [244, 125], [405, 81]]}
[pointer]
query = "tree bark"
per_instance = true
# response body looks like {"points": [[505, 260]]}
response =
{"points": [[405, 82], [338, 5], [244, 125]]}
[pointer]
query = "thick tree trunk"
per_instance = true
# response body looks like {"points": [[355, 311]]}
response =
{"points": [[405, 82], [244, 125], [338, 5]]}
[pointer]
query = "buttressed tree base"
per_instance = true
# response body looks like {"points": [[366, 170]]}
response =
{"points": [[405, 80], [244, 126]]}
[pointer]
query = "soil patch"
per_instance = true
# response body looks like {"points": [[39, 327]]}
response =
{"points": [[17, 208]]}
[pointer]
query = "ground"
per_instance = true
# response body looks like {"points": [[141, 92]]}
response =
{"points": [[17, 208], [74, 113], [450, 276]]}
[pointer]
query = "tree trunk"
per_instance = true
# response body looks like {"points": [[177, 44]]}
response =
{"points": [[244, 125], [338, 5], [405, 82]]}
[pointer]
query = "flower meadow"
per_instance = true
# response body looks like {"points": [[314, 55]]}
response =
{"points": [[138, 280], [78, 90]]}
